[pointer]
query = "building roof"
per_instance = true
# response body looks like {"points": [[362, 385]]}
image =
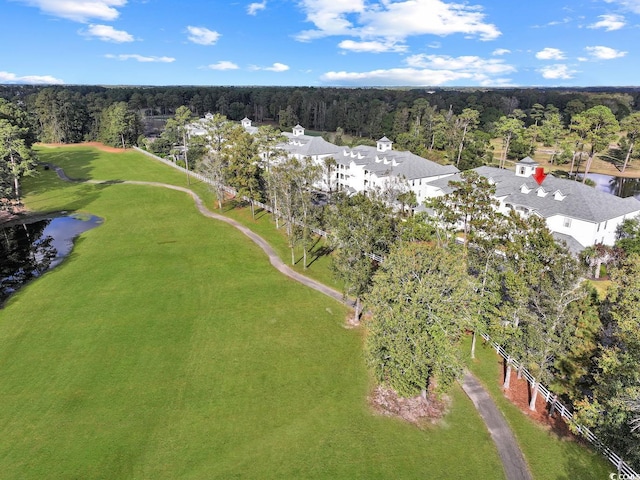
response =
{"points": [[528, 161], [555, 196], [400, 163], [308, 146], [571, 243]]}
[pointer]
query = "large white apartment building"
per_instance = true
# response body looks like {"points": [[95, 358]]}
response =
{"points": [[576, 213], [366, 168]]}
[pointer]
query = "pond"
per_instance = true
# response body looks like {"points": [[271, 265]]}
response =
{"points": [[29, 249], [622, 187]]}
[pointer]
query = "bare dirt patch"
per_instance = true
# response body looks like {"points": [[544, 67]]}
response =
{"points": [[417, 410], [520, 395], [98, 145]]}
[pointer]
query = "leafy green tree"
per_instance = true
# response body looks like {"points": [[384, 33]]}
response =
{"points": [[546, 281], [466, 122], [308, 174], [16, 161], [178, 124], [293, 182], [215, 162], [595, 256], [244, 172], [420, 303], [537, 113], [119, 125], [628, 235], [610, 408], [269, 142], [631, 125], [469, 207], [552, 132], [20, 118], [359, 226], [508, 128], [573, 371], [598, 127], [329, 166]]}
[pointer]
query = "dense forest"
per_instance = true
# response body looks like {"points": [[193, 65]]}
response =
{"points": [[72, 113], [453, 126]]}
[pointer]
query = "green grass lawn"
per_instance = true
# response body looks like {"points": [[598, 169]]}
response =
{"points": [[549, 456], [166, 346]]}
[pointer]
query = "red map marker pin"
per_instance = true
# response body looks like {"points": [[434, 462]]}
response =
{"points": [[539, 175]]}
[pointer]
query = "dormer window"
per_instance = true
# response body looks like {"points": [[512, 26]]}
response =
{"points": [[491, 181], [559, 196], [394, 163], [524, 189], [542, 192]]}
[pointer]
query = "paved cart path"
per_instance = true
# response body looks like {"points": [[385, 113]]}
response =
{"points": [[515, 466], [513, 461]]}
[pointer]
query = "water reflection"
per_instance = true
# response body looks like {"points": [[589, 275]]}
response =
{"points": [[622, 187], [27, 250]]}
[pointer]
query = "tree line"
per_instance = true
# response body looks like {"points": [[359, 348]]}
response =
{"points": [[454, 126]]}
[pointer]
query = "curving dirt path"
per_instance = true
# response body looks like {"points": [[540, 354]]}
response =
{"points": [[514, 464]]}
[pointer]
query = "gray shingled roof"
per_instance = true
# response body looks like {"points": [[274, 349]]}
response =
{"points": [[310, 146], [580, 201], [408, 165], [572, 244]]}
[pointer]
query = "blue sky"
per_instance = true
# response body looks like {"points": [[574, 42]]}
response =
{"points": [[321, 42]]}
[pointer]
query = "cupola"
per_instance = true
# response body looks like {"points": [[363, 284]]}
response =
{"points": [[526, 167], [384, 144]]}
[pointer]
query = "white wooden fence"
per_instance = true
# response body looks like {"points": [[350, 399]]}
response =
{"points": [[557, 406], [550, 398], [232, 191]]}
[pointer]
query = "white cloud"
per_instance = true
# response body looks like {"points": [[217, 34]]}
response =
{"points": [[255, 7], [466, 63], [371, 46], [394, 21], [6, 77], [550, 54], [107, 33], [223, 65], [430, 70], [79, 10], [632, 5], [202, 36], [609, 22], [277, 67], [557, 72], [500, 51], [141, 58], [395, 76], [604, 53]]}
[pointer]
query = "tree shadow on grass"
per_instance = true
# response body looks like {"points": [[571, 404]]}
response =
{"points": [[53, 194], [319, 253]]}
